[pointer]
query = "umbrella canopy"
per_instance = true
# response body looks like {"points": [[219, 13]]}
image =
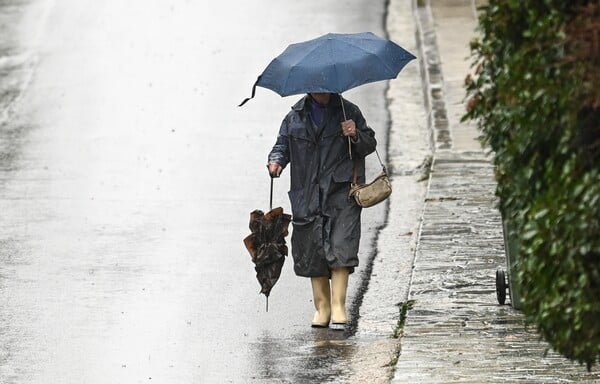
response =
{"points": [[267, 247], [333, 63]]}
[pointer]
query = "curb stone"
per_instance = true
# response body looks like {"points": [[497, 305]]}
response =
{"points": [[431, 72]]}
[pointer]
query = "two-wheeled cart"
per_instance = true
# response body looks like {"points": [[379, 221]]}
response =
{"points": [[507, 282]]}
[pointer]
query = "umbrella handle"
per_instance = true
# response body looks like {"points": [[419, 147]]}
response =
{"points": [[345, 118]]}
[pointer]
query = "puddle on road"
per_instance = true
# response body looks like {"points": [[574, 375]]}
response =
{"points": [[317, 356]]}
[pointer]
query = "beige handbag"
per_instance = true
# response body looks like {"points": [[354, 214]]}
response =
{"points": [[367, 195]]}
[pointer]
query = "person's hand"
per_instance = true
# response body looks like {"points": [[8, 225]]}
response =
{"points": [[349, 128], [274, 169]]}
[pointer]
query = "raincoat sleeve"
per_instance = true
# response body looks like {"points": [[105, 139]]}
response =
{"points": [[365, 142], [280, 153]]}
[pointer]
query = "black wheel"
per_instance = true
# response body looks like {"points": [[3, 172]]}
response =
{"points": [[501, 286]]}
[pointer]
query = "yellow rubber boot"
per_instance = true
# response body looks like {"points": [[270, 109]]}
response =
{"points": [[339, 286], [322, 300]]}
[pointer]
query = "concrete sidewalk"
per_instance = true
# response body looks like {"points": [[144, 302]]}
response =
{"points": [[456, 331]]}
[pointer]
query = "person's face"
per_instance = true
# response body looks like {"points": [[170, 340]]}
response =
{"points": [[321, 98]]}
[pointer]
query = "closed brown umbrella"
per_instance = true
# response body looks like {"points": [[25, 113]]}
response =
{"points": [[267, 247]]}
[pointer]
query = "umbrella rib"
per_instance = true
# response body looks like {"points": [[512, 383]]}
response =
{"points": [[310, 51], [335, 63], [392, 71], [370, 53]]}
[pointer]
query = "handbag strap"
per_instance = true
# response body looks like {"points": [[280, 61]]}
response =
{"points": [[380, 162], [355, 171]]}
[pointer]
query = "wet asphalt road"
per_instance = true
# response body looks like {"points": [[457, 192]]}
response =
{"points": [[127, 174]]}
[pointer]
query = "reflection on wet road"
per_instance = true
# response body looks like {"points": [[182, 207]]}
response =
{"points": [[127, 175], [318, 356]]}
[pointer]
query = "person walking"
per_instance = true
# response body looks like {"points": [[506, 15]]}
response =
{"points": [[313, 139]]}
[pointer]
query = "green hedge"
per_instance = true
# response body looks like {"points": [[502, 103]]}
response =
{"points": [[534, 94]]}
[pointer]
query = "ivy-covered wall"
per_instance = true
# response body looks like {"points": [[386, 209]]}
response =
{"points": [[535, 94]]}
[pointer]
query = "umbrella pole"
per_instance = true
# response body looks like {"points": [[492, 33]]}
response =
{"points": [[271, 205], [345, 118], [267, 297], [349, 148]]}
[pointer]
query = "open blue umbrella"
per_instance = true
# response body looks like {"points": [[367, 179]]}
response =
{"points": [[333, 63]]}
